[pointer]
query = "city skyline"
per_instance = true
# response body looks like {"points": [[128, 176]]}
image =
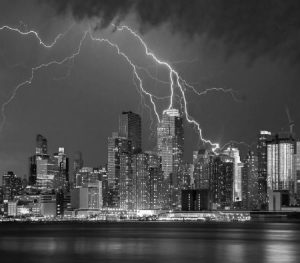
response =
{"points": [[150, 131], [242, 147], [135, 179], [87, 101]]}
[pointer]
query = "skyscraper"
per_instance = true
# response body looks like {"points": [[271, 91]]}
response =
{"points": [[11, 186], [126, 182], [250, 182], [61, 161], [155, 181], [41, 153], [263, 137], [41, 171], [237, 172], [170, 141], [116, 147], [297, 171], [41, 145], [130, 127], [280, 163], [141, 180], [221, 181], [77, 165], [201, 161]]}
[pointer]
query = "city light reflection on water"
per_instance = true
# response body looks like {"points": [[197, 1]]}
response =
{"points": [[151, 243]]}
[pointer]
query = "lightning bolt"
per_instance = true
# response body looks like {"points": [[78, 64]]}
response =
{"points": [[31, 78], [175, 81], [134, 68], [232, 92], [34, 33]]}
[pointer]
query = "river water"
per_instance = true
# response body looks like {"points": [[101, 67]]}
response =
{"points": [[150, 242]]}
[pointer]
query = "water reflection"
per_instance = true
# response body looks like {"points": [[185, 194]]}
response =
{"points": [[149, 243]]}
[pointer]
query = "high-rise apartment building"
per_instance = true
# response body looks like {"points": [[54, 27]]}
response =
{"points": [[126, 182], [77, 165], [201, 160], [170, 141], [237, 172], [41, 145], [297, 171], [61, 178], [250, 182], [40, 158], [263, 137], [221, 181], [156, 178], [116, 147], [141, 181], [130, 127], [11, 186], [280, 163]]}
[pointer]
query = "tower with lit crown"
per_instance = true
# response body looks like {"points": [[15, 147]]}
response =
{"points": [[170, 141]]}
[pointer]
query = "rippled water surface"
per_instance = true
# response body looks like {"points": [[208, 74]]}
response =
{"points": [[150, 242]]}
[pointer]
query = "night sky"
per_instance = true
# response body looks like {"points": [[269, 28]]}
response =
{"points": [[252, 47]]}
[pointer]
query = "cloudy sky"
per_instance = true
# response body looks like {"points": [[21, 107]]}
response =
{"points": [[251, 47]]}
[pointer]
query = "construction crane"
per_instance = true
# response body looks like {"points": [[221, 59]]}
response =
{"points": [[291, 122]]}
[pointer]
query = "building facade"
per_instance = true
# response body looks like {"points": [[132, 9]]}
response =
{"points": [[130, 127], [250, 183], [262, 160], [280, 164]]}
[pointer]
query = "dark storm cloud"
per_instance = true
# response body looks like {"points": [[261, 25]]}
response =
{"points": [[254, 27]]}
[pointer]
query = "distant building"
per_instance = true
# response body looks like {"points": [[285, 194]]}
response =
{"points": [[221, 181], [263, 137], [141, 181], [116, 147], [12, 208], [130, 127], [280, 163], [194, 200], [63, 202], [39, 159], [48, 172], [156, 178], [41, 145], [87, 197], [77, 165], [102, 175], [84, 176], [48, 205], [126, 182], [237, 172], [170, 147], [11, 186], [278, 199], [297, 172], [201, 174], [170, 141], [250, 182], [61, 163]]}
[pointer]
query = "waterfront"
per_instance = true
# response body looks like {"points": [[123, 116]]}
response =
{"points": [[150, 242]]}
